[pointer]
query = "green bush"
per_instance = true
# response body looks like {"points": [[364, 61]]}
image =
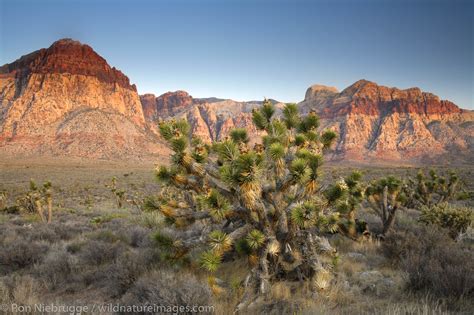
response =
{"points": [[454, 218]]}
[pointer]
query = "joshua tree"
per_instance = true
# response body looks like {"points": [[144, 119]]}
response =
{"points": [[431, 190], [118, 193], [3, 200], [385, 197], [265, 199], [36, 198]]}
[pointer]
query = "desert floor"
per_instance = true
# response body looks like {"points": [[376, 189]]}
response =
{"points": [[94, 252]]}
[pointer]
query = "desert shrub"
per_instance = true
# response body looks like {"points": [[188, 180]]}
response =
{"points": [[151, 220], [126, 269], [118, 193], [74, 247], [19, 289], [3, 200], [43, 233], [55, 268], [454, 218], [98, 252], [137, 236], [19, 253], [106, 235], [167, 288], [433, 261]]}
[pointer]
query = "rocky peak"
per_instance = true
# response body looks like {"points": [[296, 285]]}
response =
{"points": [[165, 105], [317, 91], [67, 56], [366, 97], [66, 99], [379, 122]]}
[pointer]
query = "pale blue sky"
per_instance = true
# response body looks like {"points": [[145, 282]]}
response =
{"points": [[248, 50]]}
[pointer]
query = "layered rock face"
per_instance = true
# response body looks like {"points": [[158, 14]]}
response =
{"points": [[373, 122], [66, 100], [165, 105], [382, 123], [211, 119]]}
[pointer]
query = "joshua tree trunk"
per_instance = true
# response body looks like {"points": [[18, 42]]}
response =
{"points": [[384, 198], [39, 208], [50, 209]]}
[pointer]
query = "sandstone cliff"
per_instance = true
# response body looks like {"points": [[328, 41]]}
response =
{"points": [[382, 123], [66, 100], [373, 122]]}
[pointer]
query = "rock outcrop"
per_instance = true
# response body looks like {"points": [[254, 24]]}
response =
{"points": [[165, 105], [373, 122], [381, 123], [66, 100]]}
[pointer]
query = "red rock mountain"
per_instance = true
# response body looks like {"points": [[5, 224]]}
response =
{"points": [[382, 123], [373, 122], [66, 100]]}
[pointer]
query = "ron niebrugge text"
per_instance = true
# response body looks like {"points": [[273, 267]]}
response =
{"points": [[108, 308]]}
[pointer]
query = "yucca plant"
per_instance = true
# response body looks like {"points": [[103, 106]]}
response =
{"points": [[264, 201]]}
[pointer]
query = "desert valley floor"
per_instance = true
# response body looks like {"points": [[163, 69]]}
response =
{"points": [[96, 253]]}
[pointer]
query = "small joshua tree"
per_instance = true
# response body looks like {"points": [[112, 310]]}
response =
{"points": [[118, 193], [35, 200], [385, 196], [264, 200], [3, 200], [346, 196], [431, 190]]}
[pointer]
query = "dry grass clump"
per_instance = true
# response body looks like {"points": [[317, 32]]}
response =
{"points": [[166, 287], [434, 262], [18, 254]]}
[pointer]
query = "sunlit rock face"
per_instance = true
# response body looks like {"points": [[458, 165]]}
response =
{"points": [[373, 122], [67, 100], [382, 123]]}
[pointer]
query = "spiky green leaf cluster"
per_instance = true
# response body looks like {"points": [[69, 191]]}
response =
{"points": [[327, 138], [309, 123], [219, 241], [290, 115], [217, 205], [239, 135], [210, 260], [261, 117], [200, 151], [255, 239], [306, 214], [391, 182], [432, 189]]}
